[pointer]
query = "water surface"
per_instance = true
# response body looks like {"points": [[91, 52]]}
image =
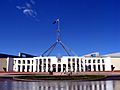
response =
{"points": [[6, 84]]}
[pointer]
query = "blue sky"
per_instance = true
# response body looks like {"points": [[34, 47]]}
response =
{"points": [[86, 26]]}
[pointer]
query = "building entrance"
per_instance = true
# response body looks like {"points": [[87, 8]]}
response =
{"points": [[54, 67], [59, 68]]}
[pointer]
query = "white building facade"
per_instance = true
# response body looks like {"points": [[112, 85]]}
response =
{"points": [[61, 64]]}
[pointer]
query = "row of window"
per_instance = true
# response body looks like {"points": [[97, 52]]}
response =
{"points": [[44, 60], [89, 61], [28, 61], [95, 61], [86, 68], [23, 61], [59, 60]]}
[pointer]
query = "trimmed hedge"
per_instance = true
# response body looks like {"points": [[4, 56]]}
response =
{"points": [[50, 77]]}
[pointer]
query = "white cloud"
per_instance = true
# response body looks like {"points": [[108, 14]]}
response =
{"points": [[33, 2], [28, 10]]}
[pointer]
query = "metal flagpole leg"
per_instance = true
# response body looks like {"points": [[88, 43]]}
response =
{"points": [[49, 49]]}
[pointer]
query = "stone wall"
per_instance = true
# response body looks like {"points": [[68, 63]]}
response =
{"points": [[3, 64]]}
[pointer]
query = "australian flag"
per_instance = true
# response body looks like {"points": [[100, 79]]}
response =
{"points": [[56, 21]]}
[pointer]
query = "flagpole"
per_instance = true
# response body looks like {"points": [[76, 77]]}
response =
{"points": [[58, 20], [58, 41], [58, 29]]}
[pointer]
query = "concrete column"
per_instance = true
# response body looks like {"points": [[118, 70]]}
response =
{"points": [[46, 65], [21, 66], [101, 69], [56, 87], [56, 67], [25, 66], [42, 88], [51, 68], [93, 86], [98, 88], [10, 62], [46, 88], [30, 70], [83, 66], [71, 65], [42, 66], [103, 85], [66, 67], [92, 65], [51, 88], [38, 65], [72, 87], [61, 67], [16, 66], [67, 87], [84, 87], [96, 67], [80, 87], [75, 65], [79, 65], [34, 65], [76, 88]]}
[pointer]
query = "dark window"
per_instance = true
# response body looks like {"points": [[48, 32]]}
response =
{"points": [[19, 61], [68, 65], [103, 61], [68, 60], [73, 60], [28, 67], [28, 61], [94, 67], [112, 67], [86, 68], [15, 61], [18, 68], [81, 61], [32, 68], [59, 60], [81, 68], [64, 67], [32, 61], [40, 61], [94, 61], [73, 64], [40, 68], [89, 67], [77, 67], [59, 67], [44, 67], [36, 59], [23, 61], [77, 61], [23, 68], [49, 60], [98, 67], [54, 67], [89, 61], [98, 60], [44, 60]]}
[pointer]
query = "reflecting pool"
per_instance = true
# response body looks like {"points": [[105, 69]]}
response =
{"points": [[7, 84]]}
